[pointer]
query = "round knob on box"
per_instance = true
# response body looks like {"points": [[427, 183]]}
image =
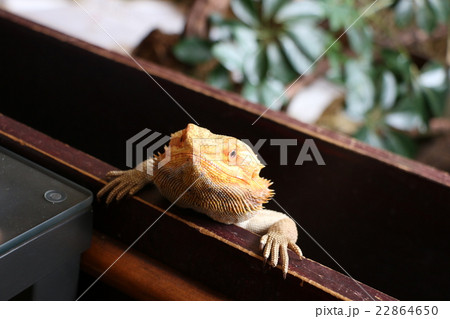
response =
{"points": [[54, 196]]}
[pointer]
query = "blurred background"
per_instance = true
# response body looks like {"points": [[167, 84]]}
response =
{"points": [[374, 70], [128, 22]]}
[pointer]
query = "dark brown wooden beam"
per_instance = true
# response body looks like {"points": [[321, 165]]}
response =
{"points": [[138, 275], [226, 258]]}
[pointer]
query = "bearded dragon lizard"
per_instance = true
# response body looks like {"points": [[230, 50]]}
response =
{"points": [[218, 176]]}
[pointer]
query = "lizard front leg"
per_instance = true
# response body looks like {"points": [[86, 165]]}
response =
{"points": [[127, 182], [279, 233]]}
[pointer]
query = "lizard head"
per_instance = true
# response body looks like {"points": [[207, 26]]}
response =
{"points": [[226, 164], [233, 157]]}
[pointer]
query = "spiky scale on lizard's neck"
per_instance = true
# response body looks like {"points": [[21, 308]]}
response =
{"points": [[223, 170]]}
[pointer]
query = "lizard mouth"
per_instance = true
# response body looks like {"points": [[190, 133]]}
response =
{"points": [[255, 174]]}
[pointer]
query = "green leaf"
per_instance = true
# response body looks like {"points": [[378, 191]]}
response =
{"points": [[270, 7], [418, 105], [433, 77], [385, 138], [409, 114], [388, 93], [297, 10], [399, 143], [246, 38], [250, 92], [246, 11], [432, 84], [278, 66], [336, 59], [309, 38], [221, 29], [220, 78], [229, 55], [435, 100], [339, 14], [369, 136], [428, 13], [404, 11], [360, 89], [397, 62], [361, 41], [424, 16], [255, 66], [441, 9], [405, 121], [192, 50], [298, 60], [271, 93]]}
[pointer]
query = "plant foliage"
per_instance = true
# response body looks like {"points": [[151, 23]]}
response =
{"points": [[427, 14], [267, 47], [270, 43]]}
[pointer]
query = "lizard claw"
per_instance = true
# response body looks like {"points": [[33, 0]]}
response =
{"points": [[111, 174], [275, 246], [124, 183]]}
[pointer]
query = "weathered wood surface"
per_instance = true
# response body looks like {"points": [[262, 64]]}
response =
{"points": [[384, 218]]}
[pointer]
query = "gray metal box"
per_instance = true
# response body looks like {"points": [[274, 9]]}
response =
{"points": [[45, 224]]}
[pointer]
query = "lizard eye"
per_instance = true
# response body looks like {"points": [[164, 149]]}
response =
{"points": [[233, 154]]}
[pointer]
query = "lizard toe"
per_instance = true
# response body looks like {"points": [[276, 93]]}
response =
{"points": [[296, 249], [274, 253], [117, 190], [284, 259], [263, 241], [108, 187], [111, 174], [267, 248]]}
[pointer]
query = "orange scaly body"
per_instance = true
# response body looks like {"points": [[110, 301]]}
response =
{"points": [[218, 176]]}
